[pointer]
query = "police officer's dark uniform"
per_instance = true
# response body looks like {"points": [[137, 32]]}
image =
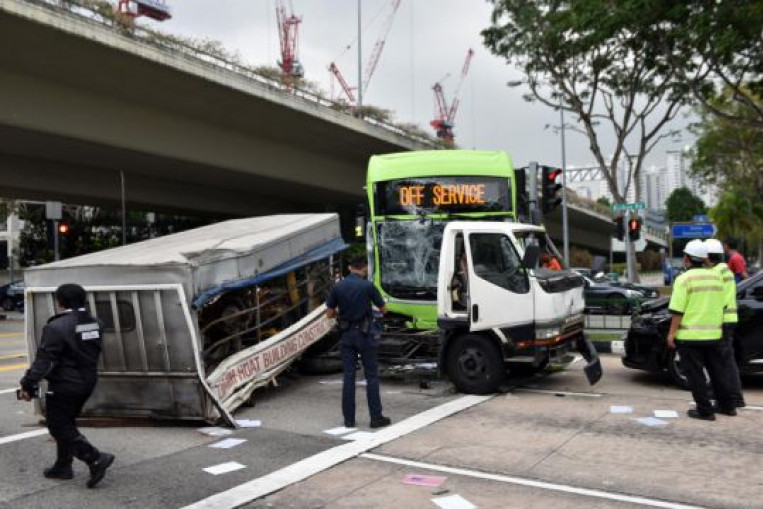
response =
{"points": [[68, 359], [359, 336]]}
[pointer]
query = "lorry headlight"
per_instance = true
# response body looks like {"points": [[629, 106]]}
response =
{"points": [[548, 333]]}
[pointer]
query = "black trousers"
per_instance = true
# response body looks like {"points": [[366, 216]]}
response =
{"points": [[696, 357], [61, 412], [734, 378]]}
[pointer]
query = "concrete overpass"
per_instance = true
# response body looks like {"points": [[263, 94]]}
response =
{"points": [[81, 101]]}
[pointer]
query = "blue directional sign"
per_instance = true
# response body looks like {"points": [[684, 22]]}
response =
{"points": [[693, 230]]}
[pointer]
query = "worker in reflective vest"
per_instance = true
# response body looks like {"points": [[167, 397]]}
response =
{"points": [[715, 256], [696, 330]]}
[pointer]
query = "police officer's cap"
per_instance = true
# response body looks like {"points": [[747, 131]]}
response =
{"points": [[359, 262], [714, 246], [696, 249], [71, 296]]}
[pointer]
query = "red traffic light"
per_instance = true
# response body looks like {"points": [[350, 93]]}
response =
{"points": [[63, 228], [554, 174]]}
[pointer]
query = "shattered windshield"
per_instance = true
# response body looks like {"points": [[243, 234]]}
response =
{"points": [[409, 257], [542, 240]]}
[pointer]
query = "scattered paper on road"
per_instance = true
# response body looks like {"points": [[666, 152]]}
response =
{"points": [[228, 443], [453, 502], [430, 481], [621, 409], [249, 423], [651, 421], [215, 431], [358, 435], [224, 468], [339, 431], [666, 414]]}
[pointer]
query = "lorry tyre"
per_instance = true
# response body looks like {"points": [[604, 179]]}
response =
{"points": [[475, 364]]}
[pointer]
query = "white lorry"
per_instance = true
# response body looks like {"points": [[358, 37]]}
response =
{"points": [[498, 311]]}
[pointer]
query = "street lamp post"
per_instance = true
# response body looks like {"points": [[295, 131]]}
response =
{"points": [[360, 65], [565, 224]]}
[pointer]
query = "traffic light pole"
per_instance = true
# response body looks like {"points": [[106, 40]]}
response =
{"points": [[56, 255], [565, 225]]}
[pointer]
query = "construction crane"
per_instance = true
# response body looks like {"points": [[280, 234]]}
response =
{"points": [[446, 116], [375, 55], [288, 34], [154, 9]]}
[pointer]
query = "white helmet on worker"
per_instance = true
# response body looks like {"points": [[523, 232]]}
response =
{"points": [[714, 246], [696, 249]]}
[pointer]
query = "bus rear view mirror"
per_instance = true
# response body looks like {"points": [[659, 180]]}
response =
{"points": [[531, 257]]}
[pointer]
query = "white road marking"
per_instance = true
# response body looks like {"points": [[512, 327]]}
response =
{"points": [[565, 393], [586, 492], [22, 436], [256, 488]]}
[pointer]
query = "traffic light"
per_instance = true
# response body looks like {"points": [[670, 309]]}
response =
{"points": [[618, 228], [63, 228], [550, 187], [634, 228]]}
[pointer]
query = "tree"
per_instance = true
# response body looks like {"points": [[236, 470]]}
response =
{"points": [[603, 200], [729, 153], [683, 205], [739, 214], [605, 62]]}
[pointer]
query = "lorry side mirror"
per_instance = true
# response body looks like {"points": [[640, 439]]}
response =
{"points": [[531, 257]]}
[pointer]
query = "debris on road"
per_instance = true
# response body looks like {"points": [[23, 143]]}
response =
{"points": [[228, 443], [430, 481], [621, 409], [249, 423], [340, 431], [224, 468], [651, 421], [215, 431], [666, 414], [453, 502]]}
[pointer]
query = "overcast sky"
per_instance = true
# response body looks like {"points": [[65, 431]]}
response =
{"points": [[429, 39]]}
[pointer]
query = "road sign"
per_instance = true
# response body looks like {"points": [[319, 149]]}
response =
{"points": [[693, 230], [617, 207], [53, 210], [618, 246], [702, 218]]}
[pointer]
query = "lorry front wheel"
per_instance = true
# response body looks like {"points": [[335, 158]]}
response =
{"points": [[475, 364]]}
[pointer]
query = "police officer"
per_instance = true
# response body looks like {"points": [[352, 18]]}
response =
{"points": [[67, 358], [715, 257], [696, 329], [359, 336]]}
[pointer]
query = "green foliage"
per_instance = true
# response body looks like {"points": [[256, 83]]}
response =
{"points": [[605, 61], [604, 201], [739, 214], [683, 205]]}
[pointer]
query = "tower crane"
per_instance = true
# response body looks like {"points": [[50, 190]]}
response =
{"points": [[154, 9], [375, 56], [288, 35], [445, 116]]}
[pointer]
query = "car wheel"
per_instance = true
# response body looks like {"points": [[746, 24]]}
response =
{"points": [[7, 304], [617, 304], [475, 365]]}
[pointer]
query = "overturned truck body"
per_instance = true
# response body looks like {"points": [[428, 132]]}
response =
{"points": [[194, 322]]}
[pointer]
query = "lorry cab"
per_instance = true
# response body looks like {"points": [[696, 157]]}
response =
{"points": [[499, 310]]}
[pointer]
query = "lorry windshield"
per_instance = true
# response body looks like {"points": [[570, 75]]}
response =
{"points": [[409, 257], [543, 241]]}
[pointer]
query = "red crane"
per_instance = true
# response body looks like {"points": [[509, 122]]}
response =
{"points": [[288, 34], [154, 9], [445, 116], [375, 55]]}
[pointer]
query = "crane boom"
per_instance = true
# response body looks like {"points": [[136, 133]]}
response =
{"points": [[288, 36], [457, 95], [379, 46], [342, 82]]}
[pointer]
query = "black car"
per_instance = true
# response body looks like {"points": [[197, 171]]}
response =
{"points": [[646, 344], [12, 296], [615, 299]]}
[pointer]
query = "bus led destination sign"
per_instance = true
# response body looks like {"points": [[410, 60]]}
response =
{"points": [[414, 196], [452, 194]]}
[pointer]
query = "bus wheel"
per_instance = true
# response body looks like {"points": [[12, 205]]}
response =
{"points": [[475, 365]]}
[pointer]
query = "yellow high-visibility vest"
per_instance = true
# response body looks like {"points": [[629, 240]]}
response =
{"points": [[730, 290], [698, 294]]}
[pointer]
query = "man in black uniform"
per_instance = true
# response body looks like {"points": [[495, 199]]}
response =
{"points": [[68, 359], [359, 336]]}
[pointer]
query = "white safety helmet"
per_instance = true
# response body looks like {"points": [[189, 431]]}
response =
{"points": [[714, 246], [696, 249]]}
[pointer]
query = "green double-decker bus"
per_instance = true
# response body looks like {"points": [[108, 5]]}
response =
{"points": [[411, 197]]}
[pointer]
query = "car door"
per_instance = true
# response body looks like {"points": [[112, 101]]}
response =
{"points": [[749, 331], [499, 286]]}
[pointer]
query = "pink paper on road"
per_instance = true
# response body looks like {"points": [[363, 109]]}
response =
{"points": [[430, 481]]}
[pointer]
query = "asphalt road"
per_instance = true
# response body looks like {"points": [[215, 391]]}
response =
{"points": [[552, 443]]}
